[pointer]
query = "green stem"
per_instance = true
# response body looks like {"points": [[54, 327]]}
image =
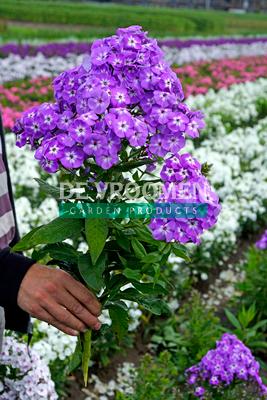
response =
{"points": [[86, 357]]}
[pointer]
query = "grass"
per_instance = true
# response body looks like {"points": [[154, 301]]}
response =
{"points": [[98, 19]]}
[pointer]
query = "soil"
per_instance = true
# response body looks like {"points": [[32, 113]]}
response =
{"points": [[75, 382]]}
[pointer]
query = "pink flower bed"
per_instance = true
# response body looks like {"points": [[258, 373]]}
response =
{"points": [[198, 78], [18, 96]]}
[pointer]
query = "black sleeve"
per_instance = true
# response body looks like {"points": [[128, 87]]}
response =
{"points": [[13, 268]]}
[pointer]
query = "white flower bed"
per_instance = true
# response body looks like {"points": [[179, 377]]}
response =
{"points": [[15, 67], [230, 108], [218, 52], [239, 172], [28, 377]]}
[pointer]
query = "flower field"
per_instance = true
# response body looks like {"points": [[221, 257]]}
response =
{"points": [[211, 344]]}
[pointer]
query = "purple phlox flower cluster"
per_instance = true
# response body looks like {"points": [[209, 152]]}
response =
{"points": [[230, 361], [123, 94], [33, 376], [262, 243], [184, 183]]}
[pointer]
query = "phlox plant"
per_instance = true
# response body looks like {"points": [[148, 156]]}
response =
{"points": [[23, 374], [226, 369], [116, 118]]}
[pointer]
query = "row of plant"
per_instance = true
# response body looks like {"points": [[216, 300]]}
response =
{"points": [[177, 51], [17, 96], [198, 78]]}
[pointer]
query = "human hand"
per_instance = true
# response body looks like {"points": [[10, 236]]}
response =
{"points": [[53, 296]]}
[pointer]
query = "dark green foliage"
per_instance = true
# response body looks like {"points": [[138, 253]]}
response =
{"points": [[98, 20], [156, 379], [189, 335], [254, 287]]}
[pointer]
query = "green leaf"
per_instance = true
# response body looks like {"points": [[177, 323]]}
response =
{"points": [[58, 251], [138, 248], [132, 274], [123, 241], [151, 258], [92, 274], [120, 321], [153, 305], [258, 344], [234, 321], [48, 189], [76, 358], [55, 231], [144, 234], [260, 324], [180, 251], [96, 231], [150, 288]]}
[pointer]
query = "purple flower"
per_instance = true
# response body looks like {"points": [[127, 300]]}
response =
{"points": [[195, 124], [50, 166], [54, 149], [156, 145], [95, 144], [119, 97], [178, 122], [48, 118], [173, 143], [200, 391], [106, 160], [64, 120], [99, 101], [163, 229], [229, 363], [123, 125], [79, 130], [262, 243], [99, 54], [72, 158]]}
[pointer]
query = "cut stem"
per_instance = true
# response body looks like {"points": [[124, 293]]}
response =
{"points": [[86, 357]]}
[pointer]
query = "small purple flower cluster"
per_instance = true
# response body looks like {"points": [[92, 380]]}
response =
{"points": [[123, 93], [230, 362], [33, 381], [262, 243], [184, 183]]}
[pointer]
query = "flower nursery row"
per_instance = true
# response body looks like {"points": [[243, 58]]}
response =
{"points": [[178, 51], [50, 59], [197, 78]]}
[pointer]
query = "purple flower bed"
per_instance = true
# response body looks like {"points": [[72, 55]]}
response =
{"points": [[62, 49]]}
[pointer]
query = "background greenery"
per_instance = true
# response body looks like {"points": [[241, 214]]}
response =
{"points": [[97, 19]]}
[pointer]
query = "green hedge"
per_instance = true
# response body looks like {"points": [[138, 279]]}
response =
{"points": [[159, 21]]}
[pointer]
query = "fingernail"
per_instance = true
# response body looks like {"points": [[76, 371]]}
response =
{"points": [[76, 333], [98, 326]]}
